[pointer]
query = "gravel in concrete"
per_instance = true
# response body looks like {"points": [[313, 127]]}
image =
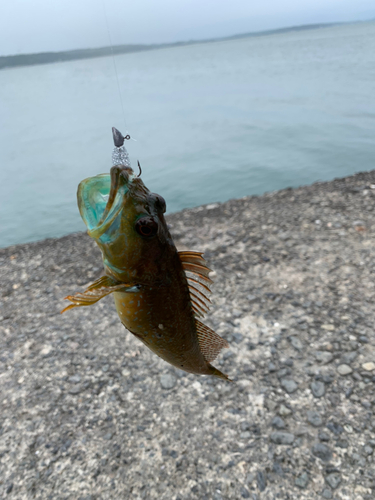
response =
{"points": [[344, 369], [87, 412]]}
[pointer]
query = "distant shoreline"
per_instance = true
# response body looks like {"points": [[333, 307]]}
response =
{"points": [[71, 55]]}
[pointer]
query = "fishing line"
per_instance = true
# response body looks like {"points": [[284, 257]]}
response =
{"points": [[114, 63]]}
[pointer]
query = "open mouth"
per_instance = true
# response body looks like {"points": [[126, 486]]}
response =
{"points": [[101, 199]]}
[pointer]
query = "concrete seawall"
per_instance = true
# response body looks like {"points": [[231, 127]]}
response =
{"points": [[87, 412]]}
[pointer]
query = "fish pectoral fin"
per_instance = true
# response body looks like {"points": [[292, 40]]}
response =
{"points": [[210, 343], [103, 281], [96, 291]]}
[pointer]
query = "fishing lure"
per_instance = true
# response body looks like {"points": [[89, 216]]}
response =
{"points": [[160, 294]]}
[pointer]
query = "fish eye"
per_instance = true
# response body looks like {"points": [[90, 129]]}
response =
{"points": [[147, 227]]}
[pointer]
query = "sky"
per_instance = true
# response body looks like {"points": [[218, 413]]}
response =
{"points": [[30, 26]]}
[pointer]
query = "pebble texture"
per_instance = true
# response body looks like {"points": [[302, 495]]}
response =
{"points": [[87, 412]]}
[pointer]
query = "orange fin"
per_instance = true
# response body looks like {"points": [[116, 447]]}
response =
{"points": [[102, 281], [210, 343], [201, 271], [194, 264], [197, 313], [202, 295], [198, 309], [96, 291], [196, 282], [203, 306]]}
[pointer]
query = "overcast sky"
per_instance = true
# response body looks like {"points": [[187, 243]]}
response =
{"points": [[28, 26]]}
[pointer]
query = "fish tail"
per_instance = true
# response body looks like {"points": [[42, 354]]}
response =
{"points": [[217, 373]]}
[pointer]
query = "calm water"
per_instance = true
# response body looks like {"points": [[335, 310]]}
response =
{"points": [[212, 122]]}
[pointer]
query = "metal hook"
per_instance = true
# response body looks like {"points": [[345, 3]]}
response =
{"points": [[140, 169]]}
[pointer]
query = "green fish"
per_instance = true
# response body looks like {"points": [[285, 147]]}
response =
{"points": [[160, 294]]}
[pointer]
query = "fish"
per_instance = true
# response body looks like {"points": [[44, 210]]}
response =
{"points": [[161, 294]]}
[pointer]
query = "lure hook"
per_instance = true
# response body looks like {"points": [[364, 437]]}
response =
{"points": [[140, 169]]}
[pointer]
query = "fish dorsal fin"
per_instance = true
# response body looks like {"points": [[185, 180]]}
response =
{"points": [[195, 263], [210, 343], [197, 272]]}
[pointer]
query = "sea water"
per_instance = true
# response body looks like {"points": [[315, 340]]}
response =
{"points": [[212, 121]]}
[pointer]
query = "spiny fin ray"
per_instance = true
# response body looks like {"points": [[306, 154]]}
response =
{"points": [[196, 269], [197, 313], [198, 293], [198, 307], [192, 280], [194, 264], [199, 302]]}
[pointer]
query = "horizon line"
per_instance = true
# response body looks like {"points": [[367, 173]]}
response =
{"points": [[29, 59]]}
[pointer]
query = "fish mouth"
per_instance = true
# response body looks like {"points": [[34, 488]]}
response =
{"points": [[101, 199]]}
